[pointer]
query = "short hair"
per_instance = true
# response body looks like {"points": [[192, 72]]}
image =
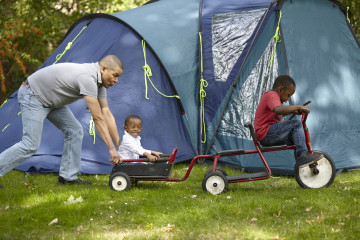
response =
{"points": [[284, 81], [128, 118], [112, 62]]}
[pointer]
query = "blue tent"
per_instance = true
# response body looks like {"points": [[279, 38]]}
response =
{"points": [[314, 44], [225, 48]]}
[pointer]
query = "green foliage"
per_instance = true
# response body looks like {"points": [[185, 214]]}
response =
{"points": [[354, 7], [276, 208], [14, 58], [34, 29]]}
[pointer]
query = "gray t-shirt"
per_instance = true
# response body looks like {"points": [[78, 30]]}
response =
{"points": [[63, 83]]}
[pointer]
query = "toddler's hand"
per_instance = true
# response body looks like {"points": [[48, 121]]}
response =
{"points": [[156, 153], [152, 158]]}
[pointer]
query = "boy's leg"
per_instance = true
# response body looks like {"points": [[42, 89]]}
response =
{"points": [[33, 115], [292, 130], [285, 131], [65, 120]]}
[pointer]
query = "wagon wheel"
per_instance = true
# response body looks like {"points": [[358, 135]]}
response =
{"points": [[215, 183], [317, 175], [119, 181]]}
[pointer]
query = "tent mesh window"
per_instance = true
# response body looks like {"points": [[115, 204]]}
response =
{"points": [[230, 34], [243, 105]]}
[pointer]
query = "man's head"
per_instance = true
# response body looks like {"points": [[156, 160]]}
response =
{"points": [[133, 125], [111, 68], [285, 86]]}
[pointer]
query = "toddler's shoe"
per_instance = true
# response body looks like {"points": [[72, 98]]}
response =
{"points": [[307, 158]]}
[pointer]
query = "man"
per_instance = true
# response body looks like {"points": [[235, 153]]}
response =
{"points": [[46, 93]]}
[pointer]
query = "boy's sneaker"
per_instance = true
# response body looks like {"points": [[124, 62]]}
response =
{"points": [[62, 181], [307, 158], [1, 186]]}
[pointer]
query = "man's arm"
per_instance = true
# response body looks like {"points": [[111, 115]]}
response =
{"points": [[291, 109], [102, 127], [110, 120]]}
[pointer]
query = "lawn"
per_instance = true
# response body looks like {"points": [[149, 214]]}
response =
{"points": [[35, 207]]}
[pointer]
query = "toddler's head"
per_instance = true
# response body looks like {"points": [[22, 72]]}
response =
{"points": [[133, 125]]}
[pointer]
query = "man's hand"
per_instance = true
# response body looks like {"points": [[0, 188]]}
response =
{"points": [[115, 157]]}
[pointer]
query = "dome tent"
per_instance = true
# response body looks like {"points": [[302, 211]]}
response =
{"points": [[240, 59]]}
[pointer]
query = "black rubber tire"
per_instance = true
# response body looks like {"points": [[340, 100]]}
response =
{"points": [[119, 181], [215, 183], [322, 177], [218, 169]]}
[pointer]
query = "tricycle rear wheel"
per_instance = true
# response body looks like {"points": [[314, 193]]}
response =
{"points": [[318, 175], [215, 183], [218, 169]]}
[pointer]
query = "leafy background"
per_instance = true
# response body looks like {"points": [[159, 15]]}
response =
{"points": [[32, 29]]}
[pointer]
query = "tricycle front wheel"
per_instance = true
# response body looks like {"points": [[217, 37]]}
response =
{"points": [[318, 175]]}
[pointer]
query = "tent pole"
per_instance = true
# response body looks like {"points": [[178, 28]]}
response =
{"points": [[284, 51], [199, 141]]}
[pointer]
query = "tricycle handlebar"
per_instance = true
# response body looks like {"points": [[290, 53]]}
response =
{"points": [[305, 111]]}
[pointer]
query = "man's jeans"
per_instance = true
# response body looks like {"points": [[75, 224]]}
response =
{"points": [[33, 115], [286, 132]]}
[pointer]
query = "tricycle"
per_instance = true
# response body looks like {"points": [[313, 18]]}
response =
{"points": [[316, 175]]}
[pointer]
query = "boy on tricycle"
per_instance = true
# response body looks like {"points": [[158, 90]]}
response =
{"points": [[270, 130]]}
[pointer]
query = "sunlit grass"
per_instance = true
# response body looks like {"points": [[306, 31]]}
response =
{"points": [[271, 209]]}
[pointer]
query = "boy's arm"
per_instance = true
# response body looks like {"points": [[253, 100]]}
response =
{"points": [[150, 157], [130, 145], [291, 109]]}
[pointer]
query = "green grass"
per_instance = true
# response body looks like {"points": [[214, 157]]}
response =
{"points": [[272, 209]]}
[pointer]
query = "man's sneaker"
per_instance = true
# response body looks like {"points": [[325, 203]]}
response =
{"points": [[62, 181], [1, 186], [307, 158]]}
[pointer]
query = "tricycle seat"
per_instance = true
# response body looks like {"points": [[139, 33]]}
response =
{"points": [[252, 132]]}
